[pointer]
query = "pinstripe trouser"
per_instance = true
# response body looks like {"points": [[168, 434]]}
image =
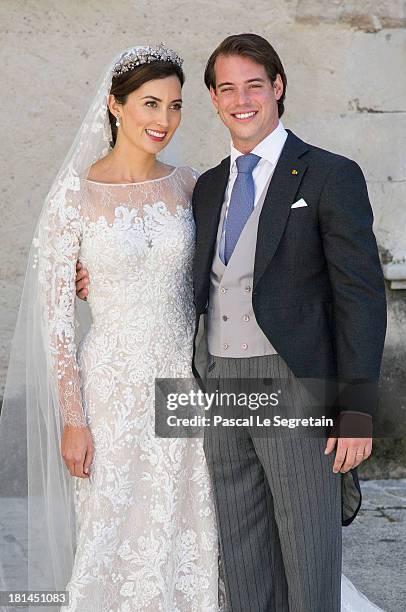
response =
{"points": [[278, 506]]}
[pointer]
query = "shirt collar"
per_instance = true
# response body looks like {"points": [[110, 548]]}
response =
{"points": [[269, 148]]}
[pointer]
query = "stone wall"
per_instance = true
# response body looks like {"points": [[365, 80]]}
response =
{"points": [[345, 62]]}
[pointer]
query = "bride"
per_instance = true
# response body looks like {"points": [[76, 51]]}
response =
{"points": [[135, 528]]}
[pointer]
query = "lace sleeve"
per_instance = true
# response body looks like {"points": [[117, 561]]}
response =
{"points": [[58, 242], [189, 177]]}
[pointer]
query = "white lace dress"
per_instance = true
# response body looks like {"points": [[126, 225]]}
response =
{"points": [[146, 536]]}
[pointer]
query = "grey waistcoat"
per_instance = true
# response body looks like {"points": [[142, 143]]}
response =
{"points": [[232, 330]]}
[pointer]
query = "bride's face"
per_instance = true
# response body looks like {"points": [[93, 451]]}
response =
{"points": [[151, 114]]}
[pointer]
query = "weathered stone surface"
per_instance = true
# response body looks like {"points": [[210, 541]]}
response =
{"points": [[386, 461], [367, 15]]}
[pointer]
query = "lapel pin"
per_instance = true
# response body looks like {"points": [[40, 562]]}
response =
{"points": [[294, 171]]}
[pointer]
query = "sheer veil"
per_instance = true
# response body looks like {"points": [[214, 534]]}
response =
{"points": [[36, 489]]}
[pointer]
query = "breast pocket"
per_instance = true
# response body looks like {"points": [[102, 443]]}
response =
{"points": [[305, 236], [300, 221]]}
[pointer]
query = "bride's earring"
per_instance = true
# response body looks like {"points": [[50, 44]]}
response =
{"points": [[118, 120]]}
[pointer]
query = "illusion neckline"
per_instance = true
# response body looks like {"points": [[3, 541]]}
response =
{"points": [[133, 183]]}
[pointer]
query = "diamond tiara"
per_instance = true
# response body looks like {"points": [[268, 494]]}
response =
{"points": [[131, 58]]}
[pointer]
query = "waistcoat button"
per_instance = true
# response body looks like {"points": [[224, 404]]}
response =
{"points": [[245, 346]]}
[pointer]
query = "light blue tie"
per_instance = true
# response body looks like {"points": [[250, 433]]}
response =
{"points": [[241, 202]]}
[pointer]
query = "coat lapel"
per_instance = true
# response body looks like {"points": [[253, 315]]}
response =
{"points": [[208, 212], [284, 185]]}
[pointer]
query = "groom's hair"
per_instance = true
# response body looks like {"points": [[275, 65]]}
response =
{"points": [[256, 48]]}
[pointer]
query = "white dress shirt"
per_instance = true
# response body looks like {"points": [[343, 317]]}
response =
{"points": [[269, 150]]}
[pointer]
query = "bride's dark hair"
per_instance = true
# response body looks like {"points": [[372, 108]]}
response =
{"points": [[124, 84]]}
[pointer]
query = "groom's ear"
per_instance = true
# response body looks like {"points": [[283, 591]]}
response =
{"points": [[214, 99], [278, 86]]}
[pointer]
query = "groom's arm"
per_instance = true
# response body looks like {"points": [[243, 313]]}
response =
{"points": [[345, 218]]}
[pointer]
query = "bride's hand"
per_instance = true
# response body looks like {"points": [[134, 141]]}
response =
{"points": [[82, 281], [77, 450]]}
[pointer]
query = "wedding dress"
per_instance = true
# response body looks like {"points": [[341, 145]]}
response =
{"points": [[352, 600], [146, 534]]}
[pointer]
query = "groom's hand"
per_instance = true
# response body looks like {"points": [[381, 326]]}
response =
{"points": [[82, 281], [350, 452]]}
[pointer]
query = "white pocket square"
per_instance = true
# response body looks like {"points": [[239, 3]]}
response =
{"points": [[299, 203]]}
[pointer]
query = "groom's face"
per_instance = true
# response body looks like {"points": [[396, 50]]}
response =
{"points": [[246, 100]]}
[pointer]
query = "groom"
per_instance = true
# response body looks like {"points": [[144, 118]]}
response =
{"points": [[287, 282]]}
